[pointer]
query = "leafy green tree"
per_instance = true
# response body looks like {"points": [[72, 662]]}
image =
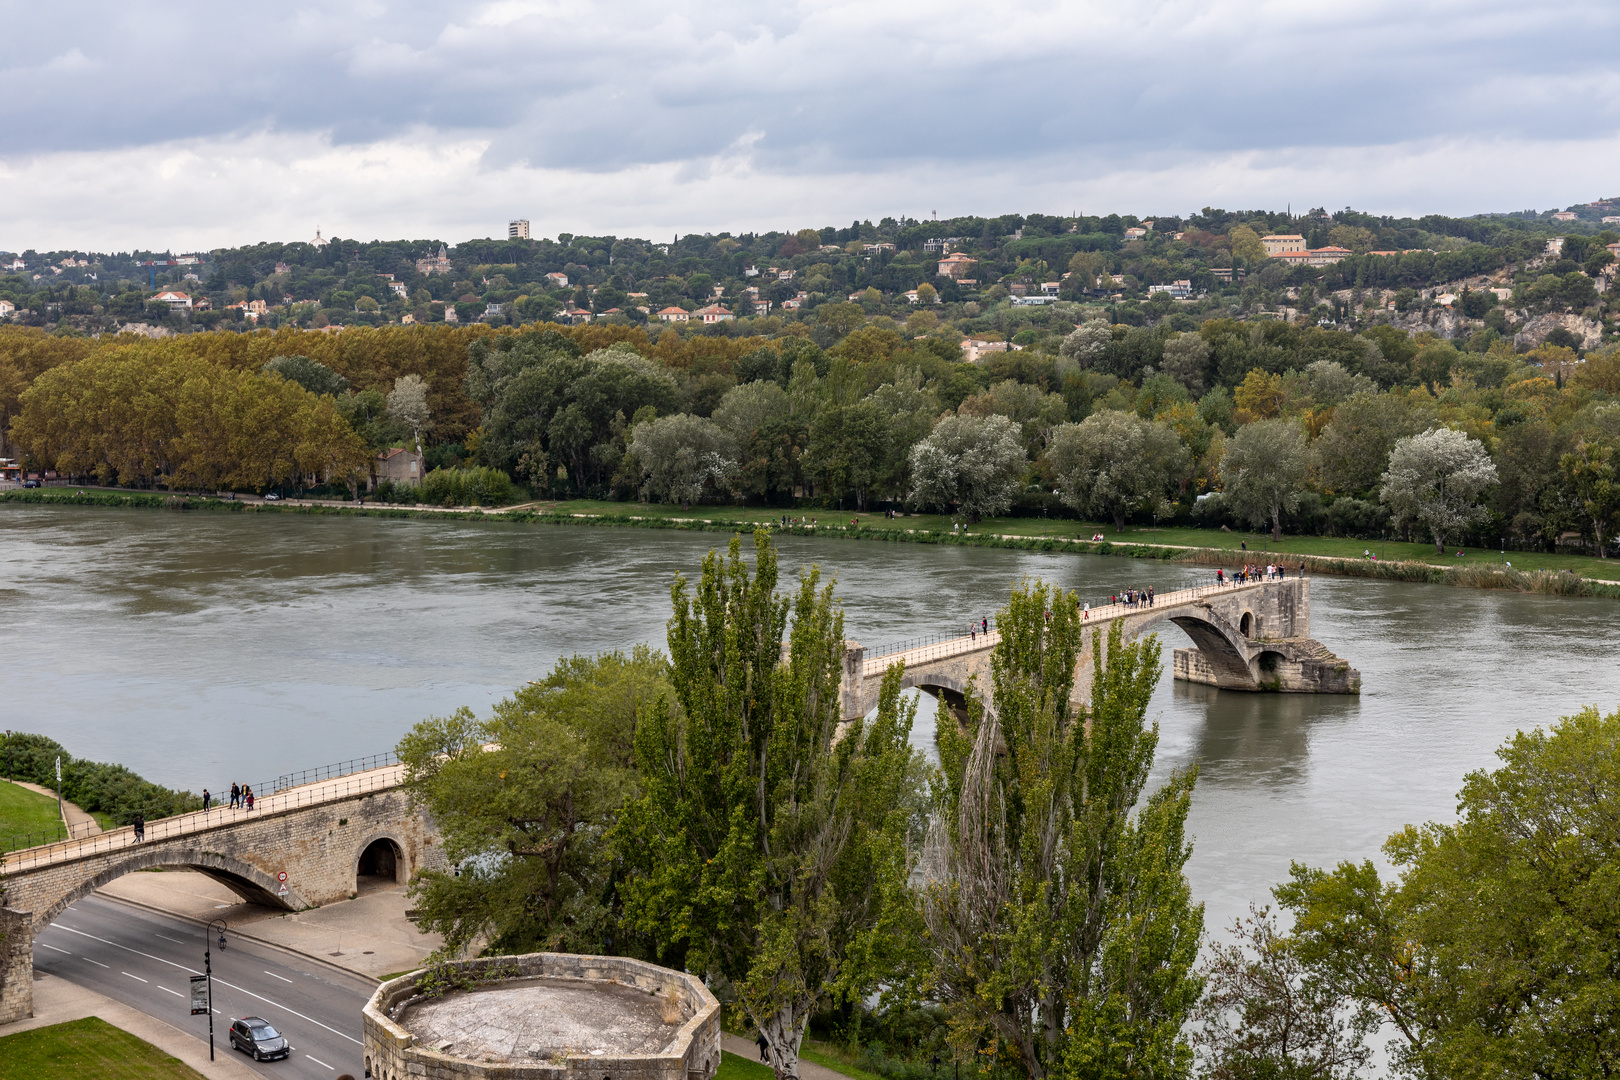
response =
{"points": [[848, 447], [1437, 479], [313, 376], [1061, 928], [1591, 473], [1263, 473], [523, 801], [1353, 450], [974, 463], [1115, 464], [1495, 951], [770, 844], [550, 405]]}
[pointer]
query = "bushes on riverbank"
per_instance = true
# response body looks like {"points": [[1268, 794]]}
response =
{"points": [[93, 785], [475, 486]]}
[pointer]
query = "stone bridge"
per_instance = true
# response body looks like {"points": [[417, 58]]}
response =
{"points": [[1252, 636], [321, 835]]}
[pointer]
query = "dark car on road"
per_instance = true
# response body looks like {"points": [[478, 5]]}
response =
{"points": [[31, 483], [254, 1035]]}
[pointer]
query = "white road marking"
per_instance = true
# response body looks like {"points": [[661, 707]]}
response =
{"points": [[273, 975], [319, 1062], [137, 978], [166, 937], [53, 948], [166, 990], [222, 982], [98, 963]]}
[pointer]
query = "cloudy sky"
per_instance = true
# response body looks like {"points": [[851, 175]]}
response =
{"points": [[151, 125]]}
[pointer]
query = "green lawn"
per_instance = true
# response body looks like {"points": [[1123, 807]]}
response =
{"points": [[1328, 547], [734, 1067], [87, 1048], [23, 811]]}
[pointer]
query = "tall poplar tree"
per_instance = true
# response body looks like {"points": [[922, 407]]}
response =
{"points": [[770, 845], [1060, 924]]}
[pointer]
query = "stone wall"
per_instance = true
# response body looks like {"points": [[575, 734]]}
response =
{"points": [[16, 966], [391, 1051]]}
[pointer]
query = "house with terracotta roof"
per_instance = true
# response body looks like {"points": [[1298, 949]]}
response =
{"points": [[955, 265], [1135, 232], [177, 301], [435, 264], [714, 313], [557, 280], [674, 314]]}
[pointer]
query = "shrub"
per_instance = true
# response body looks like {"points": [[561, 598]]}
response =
{"points": [[92, 785], [477, 486]]}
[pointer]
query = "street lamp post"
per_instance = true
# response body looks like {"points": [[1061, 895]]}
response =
{"points": [[208, 970]]}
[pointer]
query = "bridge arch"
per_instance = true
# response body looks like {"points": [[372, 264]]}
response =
{"points": [[253, 885], [1224, 646], [381, 855]]}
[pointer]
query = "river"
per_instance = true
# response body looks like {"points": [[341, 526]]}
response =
{"points": [[202, 648]]}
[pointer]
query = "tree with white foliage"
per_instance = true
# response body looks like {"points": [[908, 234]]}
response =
{"points": [[975, 463], [1437, 479], [1087, 342], [407, 403], [681, 457]]}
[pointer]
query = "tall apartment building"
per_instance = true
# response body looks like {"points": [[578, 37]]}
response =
{"points": [[518, 229]]}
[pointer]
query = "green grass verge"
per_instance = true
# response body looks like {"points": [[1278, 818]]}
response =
{"points": [[86, 1048], [24, 812], [737, 1067]]}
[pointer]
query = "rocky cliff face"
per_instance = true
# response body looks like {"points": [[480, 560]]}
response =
{"points": [[1535, 331]]}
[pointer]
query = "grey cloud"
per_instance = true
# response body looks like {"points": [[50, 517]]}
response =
{"points": [[601, 87]]}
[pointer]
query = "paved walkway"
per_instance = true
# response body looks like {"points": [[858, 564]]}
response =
{"points": [[368, 935], [78, 822], [57, 1001], [197, 821]]}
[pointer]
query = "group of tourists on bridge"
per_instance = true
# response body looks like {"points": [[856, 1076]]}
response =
{"points": [[1245, 574]]}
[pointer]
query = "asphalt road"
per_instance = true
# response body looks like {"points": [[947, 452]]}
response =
{"points": [[146, 961]]}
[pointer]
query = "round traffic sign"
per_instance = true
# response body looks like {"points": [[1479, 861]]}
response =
{"points": [[281, 875]]}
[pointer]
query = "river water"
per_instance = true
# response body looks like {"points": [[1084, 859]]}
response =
{"points": [[202, 648]]}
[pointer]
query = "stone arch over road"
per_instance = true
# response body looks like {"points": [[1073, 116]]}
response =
{"points": [[1254, 636], [315, 834]]}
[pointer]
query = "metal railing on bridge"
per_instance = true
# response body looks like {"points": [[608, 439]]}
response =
{"points": [[939, 646], [287, 792]]}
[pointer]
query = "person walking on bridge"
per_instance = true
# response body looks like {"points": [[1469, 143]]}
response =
{"points": [[247, 796], [207, 799], [139, 825], [236, 794]]}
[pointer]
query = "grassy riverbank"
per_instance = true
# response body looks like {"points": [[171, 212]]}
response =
{"points": [[24, 812], [1563, 574]]}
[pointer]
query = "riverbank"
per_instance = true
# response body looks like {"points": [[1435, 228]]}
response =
{"points": [[1557, 574]]}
